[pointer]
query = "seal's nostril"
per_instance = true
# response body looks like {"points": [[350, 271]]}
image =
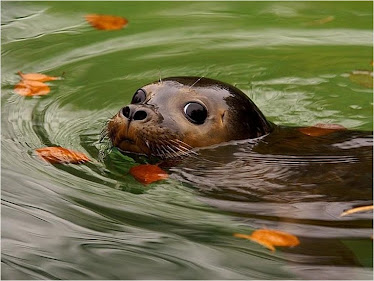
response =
{"points": [[140, 115], [131, 113], [126, 111]]}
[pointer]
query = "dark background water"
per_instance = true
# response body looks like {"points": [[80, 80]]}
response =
{"points": [[94, 221]]}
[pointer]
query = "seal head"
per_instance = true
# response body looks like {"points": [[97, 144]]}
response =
{"points": [[170, 117]]}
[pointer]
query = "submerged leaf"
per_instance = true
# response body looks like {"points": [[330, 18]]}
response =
{"points": [[322, 21], [106, 22], [270, 238], [321, 129], [362, 77], [30, 88], [147, 174], [37, 77], [357, 210], [60, 155]]}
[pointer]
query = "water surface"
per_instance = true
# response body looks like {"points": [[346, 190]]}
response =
{"points": [[94, 221]]}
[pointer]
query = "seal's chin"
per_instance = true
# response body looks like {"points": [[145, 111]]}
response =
{"points": [[129, 145]]}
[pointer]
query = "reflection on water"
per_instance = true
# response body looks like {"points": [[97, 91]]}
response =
{"points": [[94, 221]]}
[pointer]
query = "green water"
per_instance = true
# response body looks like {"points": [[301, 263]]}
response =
{"points": [[94, 221]]}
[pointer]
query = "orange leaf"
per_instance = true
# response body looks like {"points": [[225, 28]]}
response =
{"points": [[59, 155], [276, 237], [31, 88], [321, 129], [106, 22], [36, 77], [148, 173], [270, 238], [357, 210]]}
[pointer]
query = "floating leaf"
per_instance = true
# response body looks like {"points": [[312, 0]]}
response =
{"points": [[357, 210], [60, 155], [148, 173], [31, 88], [106, 22], [32, 84], [321, 129], [37, 77], [270, 238], [362, 77], [276, 237]]}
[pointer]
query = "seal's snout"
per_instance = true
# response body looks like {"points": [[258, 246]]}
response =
{"points": [[135, 112]]}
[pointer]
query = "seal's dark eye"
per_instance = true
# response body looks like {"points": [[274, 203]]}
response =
{"points": [[139, 96], [195, 112]]}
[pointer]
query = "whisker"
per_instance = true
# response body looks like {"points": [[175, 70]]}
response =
{"points": [[160, 76], [177, 153], [147, 144], [104, 134], [178, 142], [196, 81], [182, 143], [165, 149], [182, 146], [182, 150], [170, 150], [161, 151], [190, 152], [153, 148], [104, 153], [105, 144]]}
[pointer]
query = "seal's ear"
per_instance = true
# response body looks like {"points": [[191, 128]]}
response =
{"points": [[253, 123], [256, 120]]}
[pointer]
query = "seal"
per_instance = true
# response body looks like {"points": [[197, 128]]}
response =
{"points": [[170, 117], [288, 176]]}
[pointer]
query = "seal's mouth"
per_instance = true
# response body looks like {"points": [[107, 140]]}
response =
{"points": [[128, 140], [126, 143]]}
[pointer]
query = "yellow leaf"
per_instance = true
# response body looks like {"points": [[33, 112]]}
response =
{"points": [[357, 210]]}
